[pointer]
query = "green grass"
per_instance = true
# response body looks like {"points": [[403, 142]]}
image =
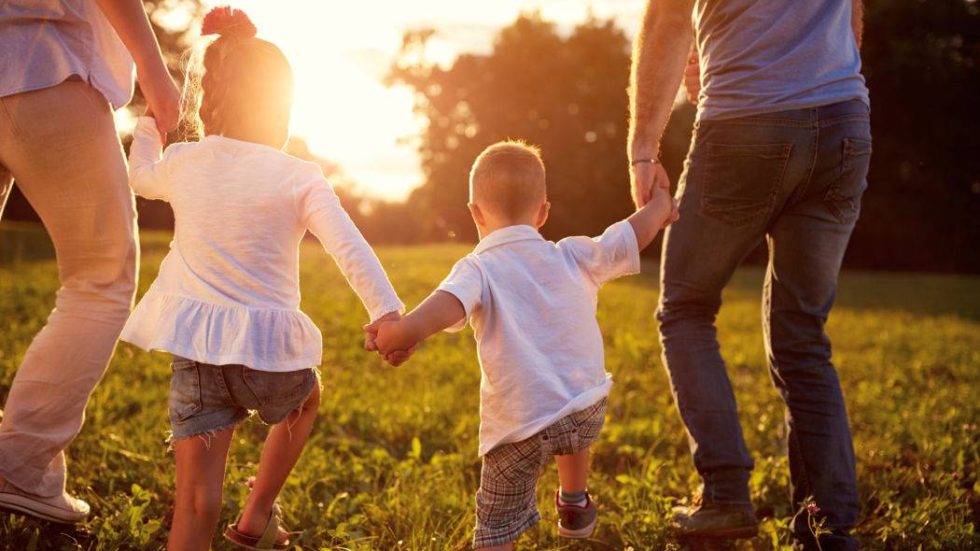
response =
{"points": [[392, 462]]}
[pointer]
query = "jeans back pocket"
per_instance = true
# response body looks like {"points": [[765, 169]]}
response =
{"points": [[185, 390], [274, 388], [843, 196], [741, 181]]}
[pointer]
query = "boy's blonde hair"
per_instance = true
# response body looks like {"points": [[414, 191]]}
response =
{"points": [[508, 179]]}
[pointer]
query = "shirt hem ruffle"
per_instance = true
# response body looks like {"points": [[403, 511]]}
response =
{"points": [[263, 339]]}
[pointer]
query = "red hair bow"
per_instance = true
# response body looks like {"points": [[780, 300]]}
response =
{"points": [[229, 22]]}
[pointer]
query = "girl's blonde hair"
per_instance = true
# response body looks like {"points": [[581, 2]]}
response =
{"points": [[236, 80]]}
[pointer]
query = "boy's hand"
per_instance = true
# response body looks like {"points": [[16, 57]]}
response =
{"points": [[659, 212], [371, 330], [395, 340], [645, 179], [665, 206]]}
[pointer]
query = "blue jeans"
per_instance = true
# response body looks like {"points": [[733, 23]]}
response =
{"points": [[794, 178]]}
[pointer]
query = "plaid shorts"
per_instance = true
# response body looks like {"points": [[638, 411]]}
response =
{"points": [[505, 502]]}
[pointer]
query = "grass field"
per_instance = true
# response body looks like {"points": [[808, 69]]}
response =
{"points": [[392, 462]]}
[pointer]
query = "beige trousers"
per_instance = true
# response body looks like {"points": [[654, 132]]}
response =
{"points": [[61, 147]]}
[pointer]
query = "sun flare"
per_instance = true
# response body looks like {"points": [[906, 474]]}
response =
{"points": [[341, 53]]}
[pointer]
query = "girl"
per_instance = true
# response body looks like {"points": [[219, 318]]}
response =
{"points": [[226, 301]]}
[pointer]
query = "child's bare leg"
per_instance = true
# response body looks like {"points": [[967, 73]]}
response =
{"points": [[200, 480], [282, 448], [573, 471], [501, 547]]}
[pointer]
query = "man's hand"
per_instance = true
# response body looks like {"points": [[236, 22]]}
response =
{"points": [[162, 97], [692, 77], [645, 177], [659, 53]]}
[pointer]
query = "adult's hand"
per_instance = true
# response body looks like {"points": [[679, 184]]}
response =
{"points": [[645, 177], [129, 20], [162, 96]]}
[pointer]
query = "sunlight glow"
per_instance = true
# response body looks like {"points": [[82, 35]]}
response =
{"points": [[341, 52]]}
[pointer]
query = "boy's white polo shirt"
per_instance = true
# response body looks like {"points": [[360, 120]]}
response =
{"points": [[532, 305]]}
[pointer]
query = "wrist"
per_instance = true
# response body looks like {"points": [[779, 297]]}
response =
{"points": [[641, 153], [151, 66], [413, 332]]}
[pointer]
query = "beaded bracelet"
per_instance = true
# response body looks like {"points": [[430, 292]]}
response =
{"points": [[651, 161]]}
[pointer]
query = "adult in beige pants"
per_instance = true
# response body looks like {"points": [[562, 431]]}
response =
{"points": [[66, 64]]}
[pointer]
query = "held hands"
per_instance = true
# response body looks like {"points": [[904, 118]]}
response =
{"points": [[387, 337], [645, 178], [651, 184], [665, 205], [162, 96]]}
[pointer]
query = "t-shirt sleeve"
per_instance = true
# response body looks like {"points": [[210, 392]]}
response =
{"points": [[613, 254], [465, 282]]}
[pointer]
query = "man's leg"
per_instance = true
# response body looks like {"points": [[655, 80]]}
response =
{"points": [[700, 255], [61, 145], [738, 174], [806, 247]]}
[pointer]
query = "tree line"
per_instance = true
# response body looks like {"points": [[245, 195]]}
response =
{"points": [[566, 92]]}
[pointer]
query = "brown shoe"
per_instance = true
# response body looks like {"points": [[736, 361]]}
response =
{"points": [[576, 521], [707, 519], [63, 508]]}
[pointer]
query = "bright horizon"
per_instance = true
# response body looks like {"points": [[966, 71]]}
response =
{"points": [[341, 55]]}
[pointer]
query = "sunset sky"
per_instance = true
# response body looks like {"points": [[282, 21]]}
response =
{"points": [[341, 51]]}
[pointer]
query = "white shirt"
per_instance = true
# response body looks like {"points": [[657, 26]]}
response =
{"points": [[228, 290], [532, 305], [43, 42]]}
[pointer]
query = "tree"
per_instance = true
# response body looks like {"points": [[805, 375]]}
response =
{"points": [[564, 94], [922, 64], [567, 94]]}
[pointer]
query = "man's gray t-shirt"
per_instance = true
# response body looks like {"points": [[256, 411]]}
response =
{"points": [[763, 56]]}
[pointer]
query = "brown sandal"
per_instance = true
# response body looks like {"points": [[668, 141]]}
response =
{"points": [[268, 539]]}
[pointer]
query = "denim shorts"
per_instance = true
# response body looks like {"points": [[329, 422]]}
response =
{"points": [[207, 398]]}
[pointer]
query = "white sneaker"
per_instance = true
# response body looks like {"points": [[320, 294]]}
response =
{"points": [[65, 508]]}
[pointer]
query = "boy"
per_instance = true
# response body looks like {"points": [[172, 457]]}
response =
{"points": [[532, 304]]}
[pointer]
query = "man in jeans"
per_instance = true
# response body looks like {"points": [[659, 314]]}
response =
{"points": [[780, 152], [65, 65]]}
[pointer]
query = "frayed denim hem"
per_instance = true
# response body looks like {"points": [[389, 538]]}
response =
{"points": [[206, 436]]}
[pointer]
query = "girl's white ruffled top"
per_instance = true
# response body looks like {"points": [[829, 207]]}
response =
{"points": [[228, 290]]}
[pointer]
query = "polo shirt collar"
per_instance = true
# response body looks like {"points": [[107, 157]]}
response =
{"points": [[509, 234]]}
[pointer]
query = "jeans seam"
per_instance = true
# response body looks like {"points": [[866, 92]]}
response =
{"points": [[815, 148]]}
